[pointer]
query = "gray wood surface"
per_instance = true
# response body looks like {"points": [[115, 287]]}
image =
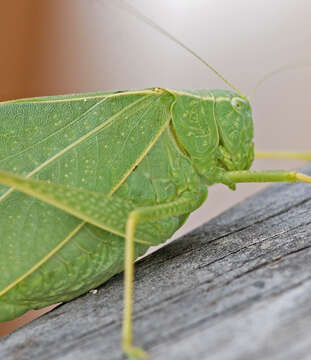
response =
{"points": [[238, 287]]}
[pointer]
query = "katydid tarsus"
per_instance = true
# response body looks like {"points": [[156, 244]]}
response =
{"points": [[85, 177]]}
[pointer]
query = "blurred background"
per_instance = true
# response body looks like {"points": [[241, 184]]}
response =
{"points": [[56, 47]]}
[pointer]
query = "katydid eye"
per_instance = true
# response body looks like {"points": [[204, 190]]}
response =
{"points": [[237, 102]]}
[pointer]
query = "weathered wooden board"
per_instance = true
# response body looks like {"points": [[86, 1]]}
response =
{"points": [[238, 287]]}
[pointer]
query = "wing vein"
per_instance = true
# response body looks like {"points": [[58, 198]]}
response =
{"points": [[74, 144]]}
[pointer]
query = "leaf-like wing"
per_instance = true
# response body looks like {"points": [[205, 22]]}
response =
{"points": [[84, 142]]}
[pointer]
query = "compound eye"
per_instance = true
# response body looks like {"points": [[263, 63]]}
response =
{"points": [[238, 103]]}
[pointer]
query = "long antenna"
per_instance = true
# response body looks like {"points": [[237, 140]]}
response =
{"points": [[133, 11], [292, 66]]}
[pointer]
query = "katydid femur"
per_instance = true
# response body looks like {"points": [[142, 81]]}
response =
{"points": [[103, 172]]}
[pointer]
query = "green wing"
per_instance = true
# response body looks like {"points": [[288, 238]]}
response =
{"points": [[90, 142]]}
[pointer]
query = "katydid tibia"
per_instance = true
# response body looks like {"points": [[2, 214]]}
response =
{"points": [[90, 181]]}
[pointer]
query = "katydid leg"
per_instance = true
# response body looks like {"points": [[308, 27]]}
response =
{"points": [[234, 177], [144, 214], [282, 155]]}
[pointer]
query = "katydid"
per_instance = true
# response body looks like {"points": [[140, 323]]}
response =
{"points": [[90, 181]]}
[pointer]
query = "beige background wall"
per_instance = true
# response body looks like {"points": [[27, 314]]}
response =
{"points": [[55, 47]]}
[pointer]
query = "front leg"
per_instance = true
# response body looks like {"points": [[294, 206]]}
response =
{"points": [[187, 203], [246, 176]]}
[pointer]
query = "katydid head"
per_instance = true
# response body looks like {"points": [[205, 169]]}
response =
{"points": [[235, 127]]}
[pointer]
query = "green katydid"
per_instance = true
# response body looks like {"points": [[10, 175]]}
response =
{"points": [[85, 177]]}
